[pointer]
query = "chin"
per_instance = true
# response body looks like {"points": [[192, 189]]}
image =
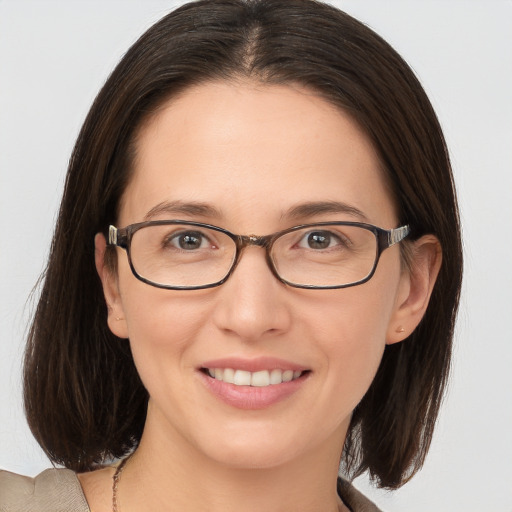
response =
{"points": [[259, 446], [254, 456]]}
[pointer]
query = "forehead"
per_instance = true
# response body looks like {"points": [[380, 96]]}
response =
{"points": [[254, 150]]}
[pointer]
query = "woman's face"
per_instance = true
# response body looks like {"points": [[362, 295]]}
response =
{"points": [[244, 157]]}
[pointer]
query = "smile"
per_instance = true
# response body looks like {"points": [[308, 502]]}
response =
{"points": [[259, 379]]}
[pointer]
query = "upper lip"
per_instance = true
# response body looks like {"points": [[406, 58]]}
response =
{"points": [[253, 365]]}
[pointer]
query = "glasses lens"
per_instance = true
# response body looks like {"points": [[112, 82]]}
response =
{"points": [[181, 255], [326, 255]]}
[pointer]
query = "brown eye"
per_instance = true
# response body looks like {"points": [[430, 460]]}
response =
{"points": [[188, 241], [319, 240]]}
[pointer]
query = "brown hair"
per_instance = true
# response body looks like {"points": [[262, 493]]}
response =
{"points": [[83, 398]]}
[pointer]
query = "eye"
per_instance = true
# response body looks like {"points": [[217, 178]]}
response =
{"points": [[188, 240], [319, 240]]}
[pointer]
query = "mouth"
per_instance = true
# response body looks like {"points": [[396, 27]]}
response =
{"points": [[253, 383], [260, 379]]}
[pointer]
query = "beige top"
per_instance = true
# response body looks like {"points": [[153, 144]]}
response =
{"points": [[53, 490], [58, 490]]}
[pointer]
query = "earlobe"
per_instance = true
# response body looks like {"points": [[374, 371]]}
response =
{"points": [[116, 317], [415, 288]]}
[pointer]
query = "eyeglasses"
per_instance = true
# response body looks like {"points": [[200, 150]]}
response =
{"points": [[183, 255]]}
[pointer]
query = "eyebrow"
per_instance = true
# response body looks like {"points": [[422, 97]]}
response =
{"points": [[300, 211], [190, 208], [315, 208]]}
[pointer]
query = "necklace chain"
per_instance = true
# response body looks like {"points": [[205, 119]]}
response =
{"points": [[115, 483], [117, 477]]}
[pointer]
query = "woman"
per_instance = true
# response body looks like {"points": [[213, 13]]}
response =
{"points": [[254, 275]]}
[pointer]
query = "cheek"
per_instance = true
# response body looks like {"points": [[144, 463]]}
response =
{"points": [[162, 327], [350, 329], [355, 318], [354, 342]]}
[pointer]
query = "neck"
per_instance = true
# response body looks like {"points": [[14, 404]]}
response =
{"points": [[167, 473]]}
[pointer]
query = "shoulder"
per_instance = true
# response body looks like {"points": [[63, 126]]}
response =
{"points": [[53, 490], [354, 499]]}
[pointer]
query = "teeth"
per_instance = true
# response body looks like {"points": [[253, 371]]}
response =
{"points": [[262, 378], [287, 375], [229, 375], [242, 378], [276, 377]]}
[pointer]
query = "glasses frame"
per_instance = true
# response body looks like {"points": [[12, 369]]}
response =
{"points": [[122, 237]]}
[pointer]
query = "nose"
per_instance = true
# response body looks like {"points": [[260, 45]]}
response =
{"points": [[252, 303]]}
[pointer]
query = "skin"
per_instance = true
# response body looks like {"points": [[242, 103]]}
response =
{"points": [[253, 152]]}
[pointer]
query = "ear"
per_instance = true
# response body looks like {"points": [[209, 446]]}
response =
{"points": [[116, 317], [415, 289]]}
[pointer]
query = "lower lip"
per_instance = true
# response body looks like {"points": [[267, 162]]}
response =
{"points": [[252, 397]]}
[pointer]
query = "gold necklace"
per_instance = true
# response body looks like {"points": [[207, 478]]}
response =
{"points": [[117, 477], [115, 483]]}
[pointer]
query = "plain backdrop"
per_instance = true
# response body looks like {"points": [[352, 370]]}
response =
{"points": [[54, 57]]}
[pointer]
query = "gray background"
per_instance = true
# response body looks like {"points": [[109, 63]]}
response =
{"points": [[55, 55]]}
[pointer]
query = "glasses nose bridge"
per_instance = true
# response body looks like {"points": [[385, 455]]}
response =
{"points": [[258, 241], [243, 241]]}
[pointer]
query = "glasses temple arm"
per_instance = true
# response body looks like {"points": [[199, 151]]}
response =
{"points": [[397, 235]]}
